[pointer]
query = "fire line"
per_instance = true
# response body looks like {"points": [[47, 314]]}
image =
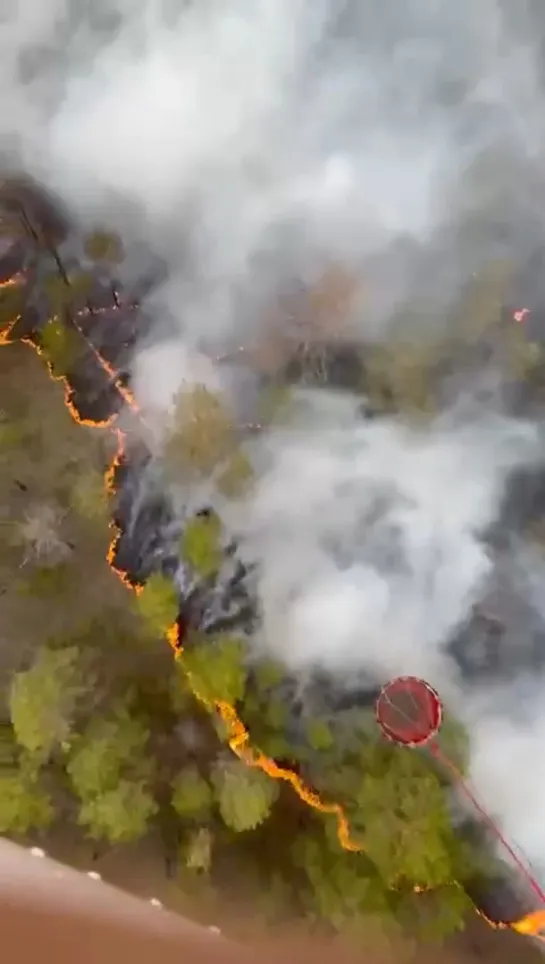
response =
{"points": [[239, 737]]}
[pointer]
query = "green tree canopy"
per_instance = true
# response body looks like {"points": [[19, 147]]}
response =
{"points": [[24, 805], [60, 345], [44, 700], [192, 795], [245, 795], [216, 669], [110, 770], [201, 544], [158, 603], [120, 814], [203, 435], [109, 747]]}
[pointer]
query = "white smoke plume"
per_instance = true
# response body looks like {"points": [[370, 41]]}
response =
{"points": [[251, 145], [372, 551]]}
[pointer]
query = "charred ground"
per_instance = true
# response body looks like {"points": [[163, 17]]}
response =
{"points": [[109, 323]]}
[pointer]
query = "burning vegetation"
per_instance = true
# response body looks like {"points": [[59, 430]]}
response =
{"points": [[233, 732]]}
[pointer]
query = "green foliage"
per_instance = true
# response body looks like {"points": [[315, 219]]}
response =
{"points": [[43, 700], [399, 376], [235, 479], [320, 735], [245, 796], [192, 796], [453, 742], [217, 671], [201, 544], [24, 805], [275, 713], [434, 915], [89, 497], [65, 296], [47, 582], [203, 435], [344, 887], [9, 751], [59, 297], [120, 814], [158, 603], [110, 769], [59, 344], [119, 764], [401, 807], [268, 674], [181, 697], [109, 747], [101, 246], [197, 851], [267, 718]]}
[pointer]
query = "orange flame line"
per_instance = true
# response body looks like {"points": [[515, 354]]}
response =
{"points": [[68, 393], [239, 737], [12, 282], [239, 742], [5, 334]]}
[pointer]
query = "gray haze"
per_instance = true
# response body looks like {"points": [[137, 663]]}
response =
{"points": [[251, 145]]}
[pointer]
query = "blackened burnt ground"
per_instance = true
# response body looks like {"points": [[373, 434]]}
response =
{"points": [[110, 324]]}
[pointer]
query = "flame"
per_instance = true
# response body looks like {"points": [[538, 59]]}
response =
{"points": [[68, 393], [13, 282], [124, 392], [238, 735], [5, 334], [109, 485], [532, 924], [239, 742], [521, 315]]}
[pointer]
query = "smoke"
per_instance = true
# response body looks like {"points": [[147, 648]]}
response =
{"points": [[373, 542], [251, 146]]}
